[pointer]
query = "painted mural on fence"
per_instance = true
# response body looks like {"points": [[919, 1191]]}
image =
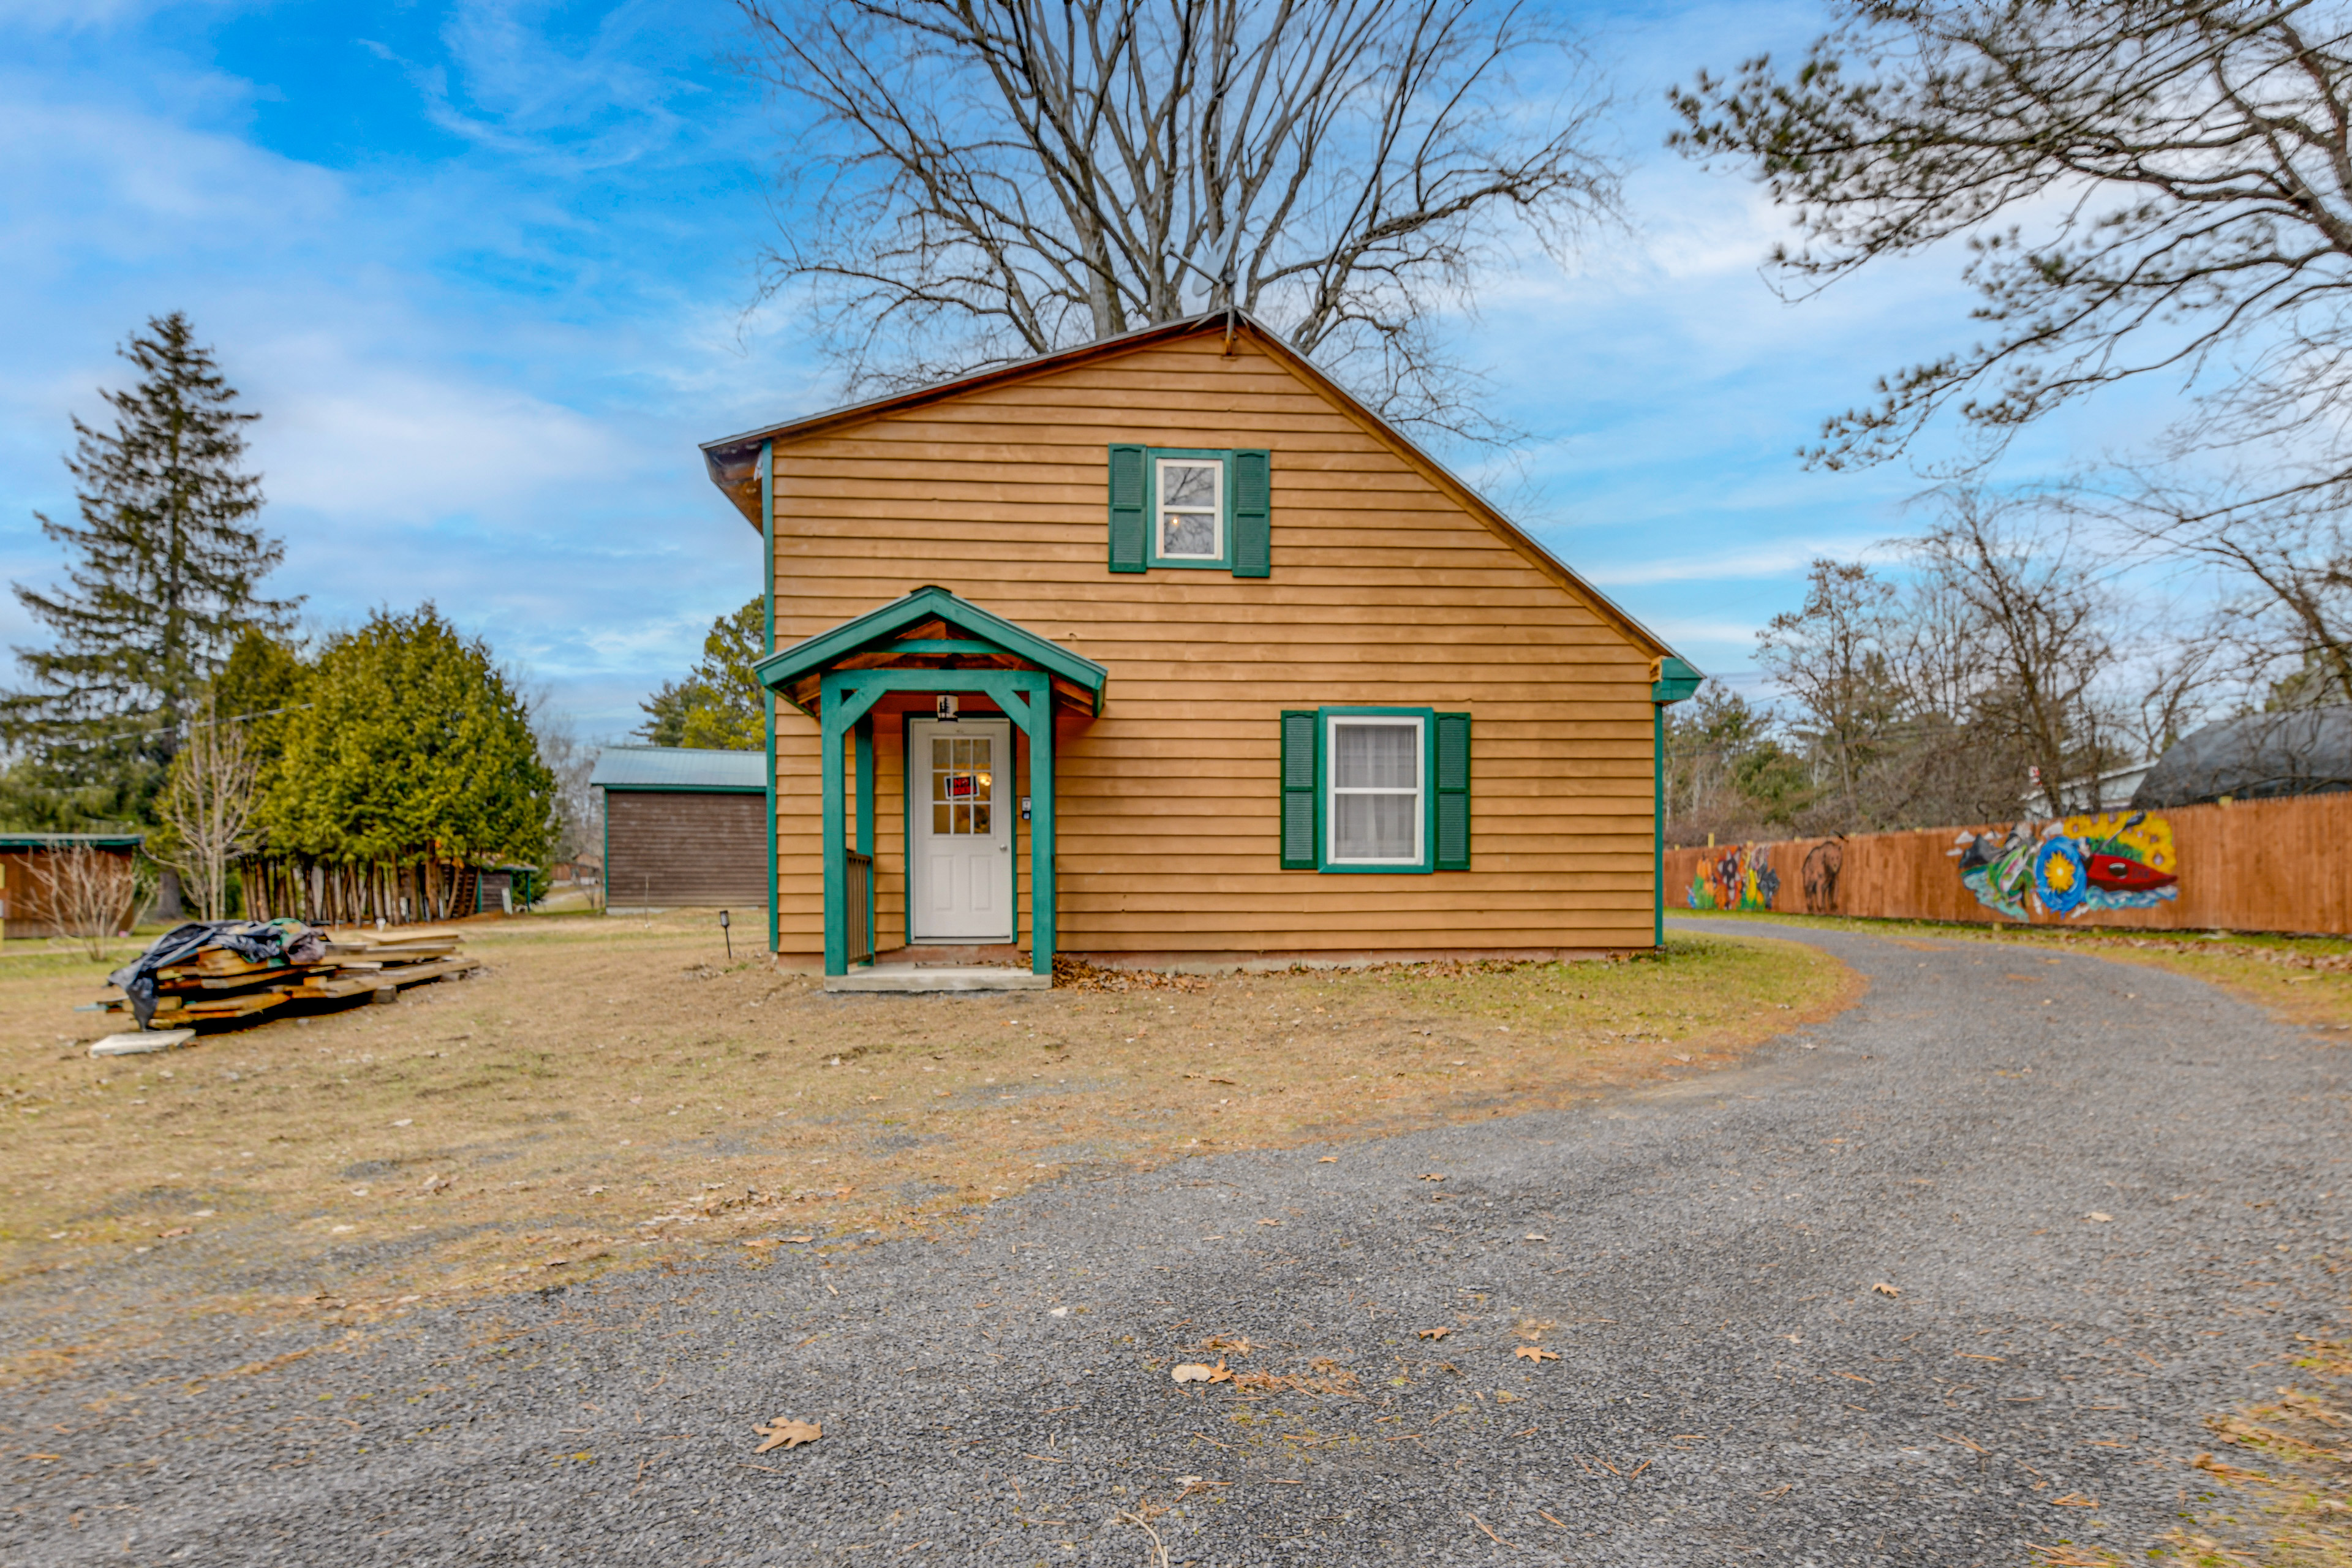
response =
{"points": [[2118, 861], [1739, 877]]}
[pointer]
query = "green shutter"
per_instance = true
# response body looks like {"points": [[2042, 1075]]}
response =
{"points": [[1298, 739], [1129, 505], [1454, 792], [1252, 520]]}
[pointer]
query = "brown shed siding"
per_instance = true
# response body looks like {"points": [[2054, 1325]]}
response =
{"points": [[1384, 591], [697, 848], [27, 905]]}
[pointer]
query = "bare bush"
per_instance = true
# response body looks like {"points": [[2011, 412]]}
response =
{"points": [[92, 894]]}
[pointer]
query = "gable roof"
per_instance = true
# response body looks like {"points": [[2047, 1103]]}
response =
{"points": [[679, 768], [732, 461]]}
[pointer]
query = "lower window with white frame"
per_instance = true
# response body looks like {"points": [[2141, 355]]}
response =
{"points": [[1372, 790]]}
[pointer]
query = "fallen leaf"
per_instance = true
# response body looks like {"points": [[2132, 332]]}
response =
{"points": [[2095, 1217], [1193, 1371], [781, 1433], [182, 1230], [1329, 1160], [2072, 1500], [1435, 1333], [1535, 1353], [1504, 1396], [1269, 1222], [1884, 1289], [1431, 1176], [1535, 1236]]}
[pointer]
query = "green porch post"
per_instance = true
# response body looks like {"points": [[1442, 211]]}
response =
{"points": [[1671, 680], [866, 820], [767, 698], [1042, 922], [832, 825]]}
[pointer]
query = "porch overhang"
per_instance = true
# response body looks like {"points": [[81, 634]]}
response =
{"points": [[899, 638], [930, 642]]}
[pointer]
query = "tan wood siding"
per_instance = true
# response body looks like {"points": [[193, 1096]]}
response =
{"points": [[1384, 592], [675, 847]]}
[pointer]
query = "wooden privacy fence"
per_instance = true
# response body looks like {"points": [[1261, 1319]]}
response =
{"points": [[324, 893], [2263, 864]]}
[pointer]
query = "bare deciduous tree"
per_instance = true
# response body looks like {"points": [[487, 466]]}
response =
{"points": [[987, 180], [1831, 654], [2043, 643], [2184, 161], [93, 894], [207, 806]]}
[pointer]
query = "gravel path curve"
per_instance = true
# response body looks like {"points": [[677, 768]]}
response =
{"points": [[2103, 1192]]}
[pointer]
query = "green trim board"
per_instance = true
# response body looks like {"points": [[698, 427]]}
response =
{"points": [[768, 593], [908, 771], [874, 628], [19, 842], [1223, 559], [1672, 680], [680, 789]]}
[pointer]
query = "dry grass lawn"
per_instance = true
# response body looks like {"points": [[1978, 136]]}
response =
{"points": [[609, 1091]]}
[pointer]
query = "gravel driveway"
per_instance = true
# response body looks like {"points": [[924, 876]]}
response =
{"points": [[2102, 1192]]}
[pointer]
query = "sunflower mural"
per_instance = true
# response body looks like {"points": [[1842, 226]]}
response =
{"points": [[2116, 860]]}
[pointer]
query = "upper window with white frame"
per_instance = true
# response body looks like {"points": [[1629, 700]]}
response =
{"points": [[1376, 776], [1189, 522]]}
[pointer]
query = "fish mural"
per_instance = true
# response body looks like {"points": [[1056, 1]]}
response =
{"points": [[2115, 860], [1741, 877]]}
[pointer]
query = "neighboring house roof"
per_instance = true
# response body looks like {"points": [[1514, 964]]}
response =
{"points": [[2303, 751], [733, 461], [679, 768], [13, 841]]}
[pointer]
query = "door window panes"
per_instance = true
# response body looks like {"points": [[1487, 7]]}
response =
{"points": [[963, 771]]}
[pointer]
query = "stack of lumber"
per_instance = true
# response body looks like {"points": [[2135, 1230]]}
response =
{"points": [[216, 984]]}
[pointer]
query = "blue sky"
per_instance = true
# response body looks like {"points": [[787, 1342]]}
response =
{"points": [[488, 271]]}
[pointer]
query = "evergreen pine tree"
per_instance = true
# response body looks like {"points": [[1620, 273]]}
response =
{"points": [[721, 706], [163, 568]]}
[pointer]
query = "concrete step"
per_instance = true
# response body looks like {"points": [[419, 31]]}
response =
{"points": [[908, 977]]}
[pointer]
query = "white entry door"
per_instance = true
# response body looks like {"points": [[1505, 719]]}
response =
{"points": [[960, 884]]}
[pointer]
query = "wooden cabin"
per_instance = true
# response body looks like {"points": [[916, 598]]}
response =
{"points": [[684, 827], [1166, 650]]}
